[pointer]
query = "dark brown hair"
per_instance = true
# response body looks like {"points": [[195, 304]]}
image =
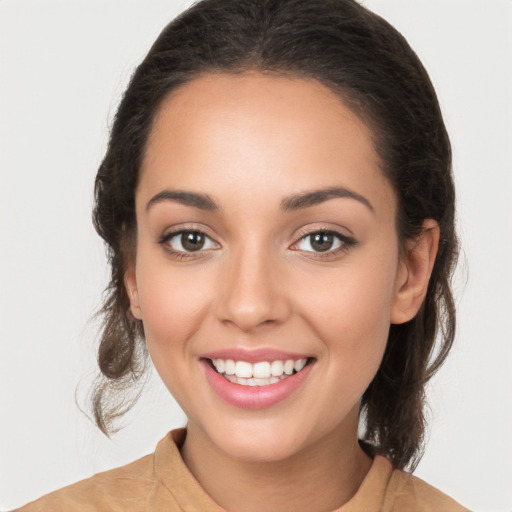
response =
{"points": [[371, 67]]}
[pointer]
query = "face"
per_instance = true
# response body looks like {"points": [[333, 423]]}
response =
{"points": [[267, 265]]}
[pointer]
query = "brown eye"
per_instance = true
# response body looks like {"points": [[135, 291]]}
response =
{"points": [[192, 240], [322, 242], [187, 242]]}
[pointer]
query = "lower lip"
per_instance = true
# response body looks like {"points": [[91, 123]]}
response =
{"points": [[254, 397]]}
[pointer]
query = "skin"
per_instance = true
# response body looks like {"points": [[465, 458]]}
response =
{"points": [[249, 142]]}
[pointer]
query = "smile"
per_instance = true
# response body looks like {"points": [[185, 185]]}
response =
{"points": [[256, 379], [262, 373]]}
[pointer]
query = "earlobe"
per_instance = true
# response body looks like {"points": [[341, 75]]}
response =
{"points": [[414, 273], [130, 283]]}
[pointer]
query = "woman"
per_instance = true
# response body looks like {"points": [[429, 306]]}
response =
{"points": [[278, 204]]}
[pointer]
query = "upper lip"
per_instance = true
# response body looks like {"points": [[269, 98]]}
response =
{"points": [[254, 355]]}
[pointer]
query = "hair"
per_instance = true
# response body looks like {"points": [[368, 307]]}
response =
{"points": [[373, 70]]}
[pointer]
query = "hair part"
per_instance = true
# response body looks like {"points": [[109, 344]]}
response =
{"points": [[363, 59]]}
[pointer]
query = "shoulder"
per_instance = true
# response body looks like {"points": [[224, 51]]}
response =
{"points": [[121, 489], [406, 492]]}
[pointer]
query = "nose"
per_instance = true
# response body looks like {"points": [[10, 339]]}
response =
{"points": [[252, 291]]}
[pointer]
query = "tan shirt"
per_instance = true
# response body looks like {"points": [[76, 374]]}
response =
{"points": [[161, 482]]}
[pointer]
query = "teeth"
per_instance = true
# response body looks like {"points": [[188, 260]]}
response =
{"points": [[253, 381], [229, 366], [261, 370], [262, 373], [276, 368], [243, 369], [221, 366], [288, 366], [299, 364]]}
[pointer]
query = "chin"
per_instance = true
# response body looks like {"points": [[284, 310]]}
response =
{"points": [[260, 443], [253, 451]]}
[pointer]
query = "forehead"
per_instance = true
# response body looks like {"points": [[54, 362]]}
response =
{"points": [[254, 128]]}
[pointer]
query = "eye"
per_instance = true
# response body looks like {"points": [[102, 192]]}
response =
{"points": [[188, 241], [324, 242]]}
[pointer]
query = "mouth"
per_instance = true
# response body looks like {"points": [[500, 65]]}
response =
{"points": [[261, 373]]}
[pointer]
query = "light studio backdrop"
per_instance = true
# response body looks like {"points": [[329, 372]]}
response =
{"points": [[63, 66]]}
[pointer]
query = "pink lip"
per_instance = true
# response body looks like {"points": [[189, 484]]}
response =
{"points": [[254, 397], [254, 355]]}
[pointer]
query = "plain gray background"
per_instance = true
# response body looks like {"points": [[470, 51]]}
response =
{"points": [[63, 67]]}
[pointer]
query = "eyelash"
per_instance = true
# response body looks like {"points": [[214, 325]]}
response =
{"points": [[346, 243], [182, 255]]}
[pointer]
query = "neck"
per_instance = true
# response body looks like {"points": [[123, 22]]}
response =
{"points": [[321, 477]]}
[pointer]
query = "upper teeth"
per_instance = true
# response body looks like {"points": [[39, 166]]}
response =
{"points": [[260, 370]]}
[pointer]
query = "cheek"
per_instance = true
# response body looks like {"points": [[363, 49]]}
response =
{"points": [[172, 306], [355, 332], [351, 315], [354, 308], [355, 337]]}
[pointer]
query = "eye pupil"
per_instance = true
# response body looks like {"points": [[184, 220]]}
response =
{"points": [[322, 242], [192, 240]]}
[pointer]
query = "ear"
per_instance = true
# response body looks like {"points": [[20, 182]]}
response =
{"points": [[130, 284], [414, 273]]}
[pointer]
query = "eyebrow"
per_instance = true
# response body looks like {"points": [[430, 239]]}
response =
{"points": [[201, 201], [307, 199], [295, 202]]}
